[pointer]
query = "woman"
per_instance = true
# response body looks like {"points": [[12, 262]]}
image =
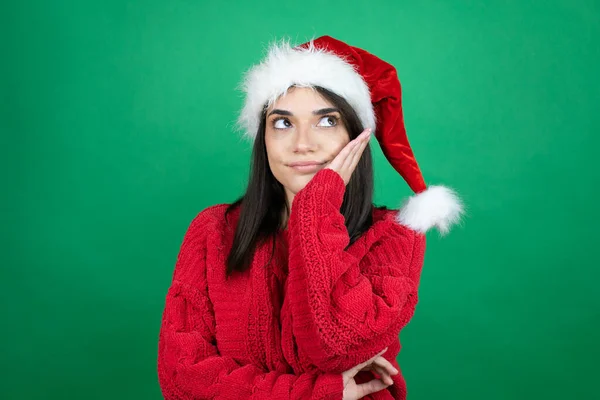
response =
{"points": [[300, 288]]}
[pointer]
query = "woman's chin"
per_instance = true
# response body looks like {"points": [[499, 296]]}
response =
{"points": [[301, 181]]}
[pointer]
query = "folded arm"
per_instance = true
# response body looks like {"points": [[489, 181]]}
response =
{"points": [[347, 309]]}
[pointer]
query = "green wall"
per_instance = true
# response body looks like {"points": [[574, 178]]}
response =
{"points": [[116, 122]]}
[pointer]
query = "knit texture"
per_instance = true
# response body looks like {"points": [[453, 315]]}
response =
{"points": [[288, 327]]}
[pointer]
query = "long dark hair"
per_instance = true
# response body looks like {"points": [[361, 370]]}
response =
{"points": [[263, 203]]}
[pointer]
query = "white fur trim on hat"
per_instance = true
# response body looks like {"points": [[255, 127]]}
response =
{"points": [[437, 206], [286, 66]]}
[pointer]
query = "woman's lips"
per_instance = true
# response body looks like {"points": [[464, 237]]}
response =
{"points": [[307, 167]]}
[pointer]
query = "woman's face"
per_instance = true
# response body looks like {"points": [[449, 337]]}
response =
{"points": [[302, 127]]}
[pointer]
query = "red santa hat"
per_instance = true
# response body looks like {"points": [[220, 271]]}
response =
{"points": [[371, 86]]}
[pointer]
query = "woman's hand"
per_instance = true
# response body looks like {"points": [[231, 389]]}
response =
{"points": [[383, 368], [347, 159], [353, 391]]}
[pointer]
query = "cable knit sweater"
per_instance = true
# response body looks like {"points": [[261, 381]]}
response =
{"points": [[286, 329]]}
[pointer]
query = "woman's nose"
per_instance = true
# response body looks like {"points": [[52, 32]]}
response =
{"points": [[304, 140]]}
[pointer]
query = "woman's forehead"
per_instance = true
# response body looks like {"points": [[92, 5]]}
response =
{"points": [[300, 100]]}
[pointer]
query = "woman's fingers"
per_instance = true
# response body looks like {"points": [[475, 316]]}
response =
{"points": [[350, 146], [367, 388], [383, 373], [353, 147], [383, 368], [382, 362], [369, 361], [357, 154], [339, 159], [354, 144], [347, 159]]}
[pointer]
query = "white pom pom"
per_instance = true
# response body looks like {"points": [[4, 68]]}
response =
{"points": [[437, 206]]}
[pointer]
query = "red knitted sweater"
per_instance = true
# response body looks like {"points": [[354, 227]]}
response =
{"points": [[286, 329]]}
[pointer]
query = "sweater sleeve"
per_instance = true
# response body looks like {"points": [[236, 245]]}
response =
{"points": [[189, 363], [347, 309]]}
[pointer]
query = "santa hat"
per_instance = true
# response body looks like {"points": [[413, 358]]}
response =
{"points": [[371, 86]]}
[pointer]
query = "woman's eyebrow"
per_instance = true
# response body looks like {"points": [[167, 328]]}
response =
{"points": [[322, 111]]}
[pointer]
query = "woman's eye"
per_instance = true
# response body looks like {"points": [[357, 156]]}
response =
{"points": [[330, 120], [284, 123]]}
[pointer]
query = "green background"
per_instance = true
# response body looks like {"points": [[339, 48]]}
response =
{"points": [[117, 129]]}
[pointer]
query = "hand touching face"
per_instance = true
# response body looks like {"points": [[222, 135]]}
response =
{"points": [[304, 133], [346, 161]]}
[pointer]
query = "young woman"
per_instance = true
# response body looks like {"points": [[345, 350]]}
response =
{"points": [[299, 289]]}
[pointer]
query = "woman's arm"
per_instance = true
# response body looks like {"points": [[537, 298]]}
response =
{"points": [[190, 367], [189, 364], [345, 309]]}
